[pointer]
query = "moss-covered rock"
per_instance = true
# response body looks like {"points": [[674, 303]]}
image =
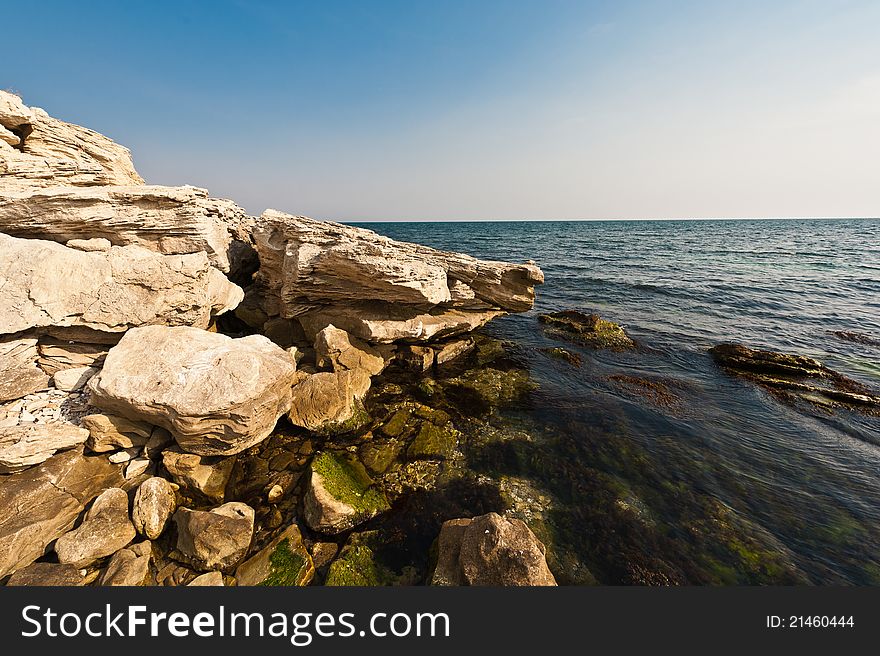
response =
{"points": [[378, 455], [285, 561], [358, 564], [397, 424], [433, 442], [478, 391], [589, 329], [340, 494]]}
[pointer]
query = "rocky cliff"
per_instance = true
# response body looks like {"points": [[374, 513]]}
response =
{"points": [[154, 340]]}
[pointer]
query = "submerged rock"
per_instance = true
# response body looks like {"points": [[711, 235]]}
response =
{"points": [[589, 329], [285, 561], [340, 494], [41, 504], [796, 377], [357, 566], [490, 550], [478, 391], [216, 539], [217, 395]]}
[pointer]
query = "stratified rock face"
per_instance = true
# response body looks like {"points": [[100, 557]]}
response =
{"points": [[36, 149], [328, 402], [217, 395], [49, 285], [19, 374], [218, 539], [105, 530], [41, 504], [168, 220], [24, 446], [308, 265], [490, 550]]}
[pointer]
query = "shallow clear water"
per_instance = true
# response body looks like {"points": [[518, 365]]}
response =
{"points": [[806, 483]]}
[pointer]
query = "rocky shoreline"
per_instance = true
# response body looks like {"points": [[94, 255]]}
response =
{"points": [[194, 396]]}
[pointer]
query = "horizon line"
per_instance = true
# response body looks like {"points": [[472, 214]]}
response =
{"points": [[609, 220]]}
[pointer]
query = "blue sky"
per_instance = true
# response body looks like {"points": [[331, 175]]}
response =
{"points": [[477, 110]]}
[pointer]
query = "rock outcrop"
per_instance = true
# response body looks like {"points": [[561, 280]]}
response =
{"points": [[490, 550], [328, 273], [792, 378], [39, 150], [39, 505], [49, 285], [166, 220], [217, 395]]}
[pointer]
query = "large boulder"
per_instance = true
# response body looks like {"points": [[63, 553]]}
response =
{"points": [[42, 503], [217, 395], [50, 285], [490, 550], [105, 530], [216, 539], [26, 445], [308, 267], [39, 150]]}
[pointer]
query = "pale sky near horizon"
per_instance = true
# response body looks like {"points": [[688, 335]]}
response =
{"points": [[477, 110]]}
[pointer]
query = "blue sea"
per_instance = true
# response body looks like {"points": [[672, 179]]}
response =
{"points": [[729, 485]]}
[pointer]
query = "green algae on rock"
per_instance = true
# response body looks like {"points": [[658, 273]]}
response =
{"points": [[340, 494], [433, 442], [285, 561], [478, 391], [589, 329]]}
